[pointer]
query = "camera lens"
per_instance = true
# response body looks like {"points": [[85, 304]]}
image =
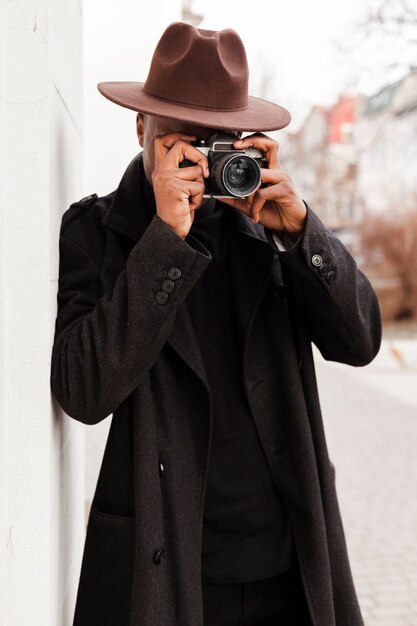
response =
{"points": [[238, 175]]}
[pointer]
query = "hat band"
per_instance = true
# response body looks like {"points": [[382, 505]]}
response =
{"points": [[190, 105]]}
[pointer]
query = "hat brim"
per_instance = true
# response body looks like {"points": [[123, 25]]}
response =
{"points": [[259, 115]]}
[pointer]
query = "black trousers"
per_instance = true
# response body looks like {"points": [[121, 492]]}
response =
{"points": [[276, 601]]}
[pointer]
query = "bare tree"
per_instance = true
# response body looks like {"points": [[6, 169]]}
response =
{"points": [[392, 16], [188, 14], [381, 43], [389, 250]]}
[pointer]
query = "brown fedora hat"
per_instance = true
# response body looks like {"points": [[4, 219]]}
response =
{"points": [[199, 76]]}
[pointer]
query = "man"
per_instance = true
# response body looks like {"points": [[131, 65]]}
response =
{"points": [[191, 319]]}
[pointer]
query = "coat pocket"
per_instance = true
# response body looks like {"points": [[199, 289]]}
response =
{"points": [[105, 585]]}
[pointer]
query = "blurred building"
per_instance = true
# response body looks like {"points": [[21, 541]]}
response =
{"points": [[386, 139], [358, 158], [358, 155], [321, 157]]}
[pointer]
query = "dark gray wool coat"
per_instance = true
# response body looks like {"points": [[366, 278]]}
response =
{"points": [[121, 347]]}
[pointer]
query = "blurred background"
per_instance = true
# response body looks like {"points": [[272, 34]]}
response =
{"points": [[347, 72]]}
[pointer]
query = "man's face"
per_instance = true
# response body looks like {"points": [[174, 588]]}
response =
{"points": [[151, 126]]}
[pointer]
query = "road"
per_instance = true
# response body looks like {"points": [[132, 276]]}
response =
{"points": [[370, 417]]}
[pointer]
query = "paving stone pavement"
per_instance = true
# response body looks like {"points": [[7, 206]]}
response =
{"points": [[370, 418]]}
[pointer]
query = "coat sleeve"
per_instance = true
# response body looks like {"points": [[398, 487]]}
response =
{"points": [[103, 344], [336, 299]]}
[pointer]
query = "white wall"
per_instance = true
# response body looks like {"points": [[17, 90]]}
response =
{"points": [[41, 462]]}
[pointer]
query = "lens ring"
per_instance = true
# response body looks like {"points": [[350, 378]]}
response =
{"points": [[241, 175]]}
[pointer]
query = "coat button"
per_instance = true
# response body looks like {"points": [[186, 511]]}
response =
{"points": [[316, 260], [161, 297], [168, 285], [323, 269], [161, 468], [330, 276], [158, 556], [174, 273]]}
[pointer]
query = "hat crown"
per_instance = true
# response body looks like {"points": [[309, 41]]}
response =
{"points": [[199, 68]]}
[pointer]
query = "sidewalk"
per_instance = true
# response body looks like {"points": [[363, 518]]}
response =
{"points": [[370, 416], [393, 371]]}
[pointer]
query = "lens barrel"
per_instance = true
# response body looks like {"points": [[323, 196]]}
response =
{"points": [[235, 174]]}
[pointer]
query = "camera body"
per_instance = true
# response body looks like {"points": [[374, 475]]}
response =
{"points": [[234, 173]]}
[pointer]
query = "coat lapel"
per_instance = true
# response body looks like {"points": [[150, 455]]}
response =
{"points": [[253, 262], [184, 341]]}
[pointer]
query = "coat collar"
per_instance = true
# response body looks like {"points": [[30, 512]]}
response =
{"points": [[253, 261], [133, 205]]}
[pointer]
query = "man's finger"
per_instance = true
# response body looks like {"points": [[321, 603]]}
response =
{"points": [[192, 172], [194, 191], [164, 143], [261, 197], [257, 204], [190, 194], [243, 204], [238, 203], [182, 150], [263, 143], [191, 188], [274, 175]]}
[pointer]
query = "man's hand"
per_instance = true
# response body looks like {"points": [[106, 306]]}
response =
{"points": [[178, 191], [277, 205]]}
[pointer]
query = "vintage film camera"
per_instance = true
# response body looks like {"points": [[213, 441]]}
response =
{"points": [[234, 173]]}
